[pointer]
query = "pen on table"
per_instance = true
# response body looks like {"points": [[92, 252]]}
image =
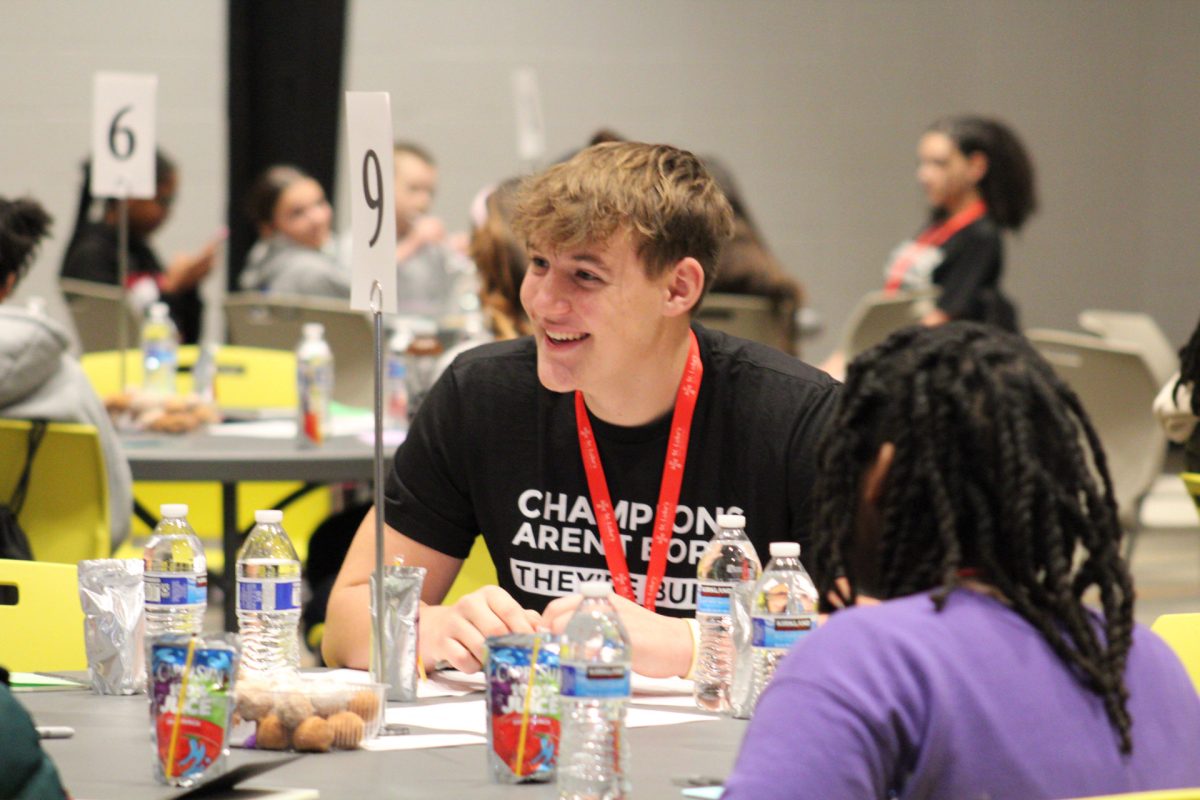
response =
{"points": [[54, 732]]}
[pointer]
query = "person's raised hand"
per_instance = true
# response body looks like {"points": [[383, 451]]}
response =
{"points": [[457, 633], [661, 646], [188, 269]]}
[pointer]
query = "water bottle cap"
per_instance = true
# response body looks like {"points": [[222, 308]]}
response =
{"points": [[731, 521], [313, 330], [159, 311], [785, 549], [595, 588], [173, 510], [271, 516]]}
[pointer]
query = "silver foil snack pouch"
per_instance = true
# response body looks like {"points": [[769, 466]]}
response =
{"points": [[113, 600], [741, 690], [402, 607]]}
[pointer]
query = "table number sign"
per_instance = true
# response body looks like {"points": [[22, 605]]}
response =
{"points": [[531, 129], [372, 198], [123, 135]]}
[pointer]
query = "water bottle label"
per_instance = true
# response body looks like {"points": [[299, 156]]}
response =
{"points": [[175, 589], [269, 595], [714, 597], [781, 633], [604, 681]]}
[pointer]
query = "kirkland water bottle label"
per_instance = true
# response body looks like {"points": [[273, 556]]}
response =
{"points": [[780, 633], [176, 590], [268, 595], [714, 597], [605, 681]]}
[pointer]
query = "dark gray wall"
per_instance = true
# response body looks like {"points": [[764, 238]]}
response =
{"points": [[816, 105]]}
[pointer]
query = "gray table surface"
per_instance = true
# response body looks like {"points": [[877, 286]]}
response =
{"points": [[110, 757], [200, 456]]}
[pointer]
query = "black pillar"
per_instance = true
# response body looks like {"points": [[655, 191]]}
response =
{"points": [[285, 91]]}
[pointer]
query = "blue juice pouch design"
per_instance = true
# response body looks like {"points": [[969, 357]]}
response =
{"points": [[513, 679], [190, 706]]}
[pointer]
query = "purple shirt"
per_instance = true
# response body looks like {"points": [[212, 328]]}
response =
{"points": [[901, 701]]}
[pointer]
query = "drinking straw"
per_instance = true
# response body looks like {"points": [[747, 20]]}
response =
{"points": [[183, 685], [420, 667], [537, 643]]}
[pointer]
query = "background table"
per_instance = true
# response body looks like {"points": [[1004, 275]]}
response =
{"points": [[110, 757], [202, 456]]}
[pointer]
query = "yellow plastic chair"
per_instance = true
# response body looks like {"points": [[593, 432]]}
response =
{"points": [[1164, 794], [66, 515], [1192, 481], [477, 571], [1182, 633], [41, 628]]}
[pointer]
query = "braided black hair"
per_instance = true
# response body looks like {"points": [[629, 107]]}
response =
{"points": [[1008, 186], [1189, 368], [996, 472], [23, 224]]}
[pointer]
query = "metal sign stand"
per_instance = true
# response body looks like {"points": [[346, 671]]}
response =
{"points": [[122, 279], [377, 622]]}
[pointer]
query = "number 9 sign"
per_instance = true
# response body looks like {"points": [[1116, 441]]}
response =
{"points": [[123, 135], [372, 198]]}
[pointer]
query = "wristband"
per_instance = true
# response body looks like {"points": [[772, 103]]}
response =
{"points": [[694, 629]]}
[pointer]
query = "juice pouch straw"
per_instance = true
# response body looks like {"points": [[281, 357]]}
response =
{"points": [[522, 702], [191, 688]]}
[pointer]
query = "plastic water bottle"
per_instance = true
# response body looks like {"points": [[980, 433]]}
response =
{"points": [[268, 597], [175, 576], [594, 692], [729, 560], [314, 384], [395, 398], [159, 345], [204, 373], [784, 610]]}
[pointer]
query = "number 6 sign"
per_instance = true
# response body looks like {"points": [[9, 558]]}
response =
{"points": [[123, 140], [372, 198]]}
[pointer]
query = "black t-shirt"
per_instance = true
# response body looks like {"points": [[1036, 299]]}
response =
{"points": [[968, 269], [493, 451], [92, 256]]}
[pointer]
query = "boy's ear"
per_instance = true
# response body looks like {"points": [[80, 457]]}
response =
{"points": [[684, 286]]}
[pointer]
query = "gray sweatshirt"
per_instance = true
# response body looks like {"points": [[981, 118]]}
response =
{"points": [[40, 380]]}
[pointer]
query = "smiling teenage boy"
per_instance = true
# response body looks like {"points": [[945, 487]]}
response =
{"points": [[604, 446]]}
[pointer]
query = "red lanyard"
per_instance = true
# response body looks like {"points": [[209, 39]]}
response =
{"points": [[668, 493], [934, 236]]}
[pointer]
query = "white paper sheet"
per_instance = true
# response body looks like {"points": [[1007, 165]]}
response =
{"points": [[469, 716], [422, 741], [286, 428], [433, 687]]}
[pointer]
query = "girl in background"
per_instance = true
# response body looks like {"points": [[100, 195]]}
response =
{"points": [[91, 254], [294, 252], [979, 182]]}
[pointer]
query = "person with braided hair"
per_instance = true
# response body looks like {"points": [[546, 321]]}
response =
{"points": [[1177, 406], [961, 484]]}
